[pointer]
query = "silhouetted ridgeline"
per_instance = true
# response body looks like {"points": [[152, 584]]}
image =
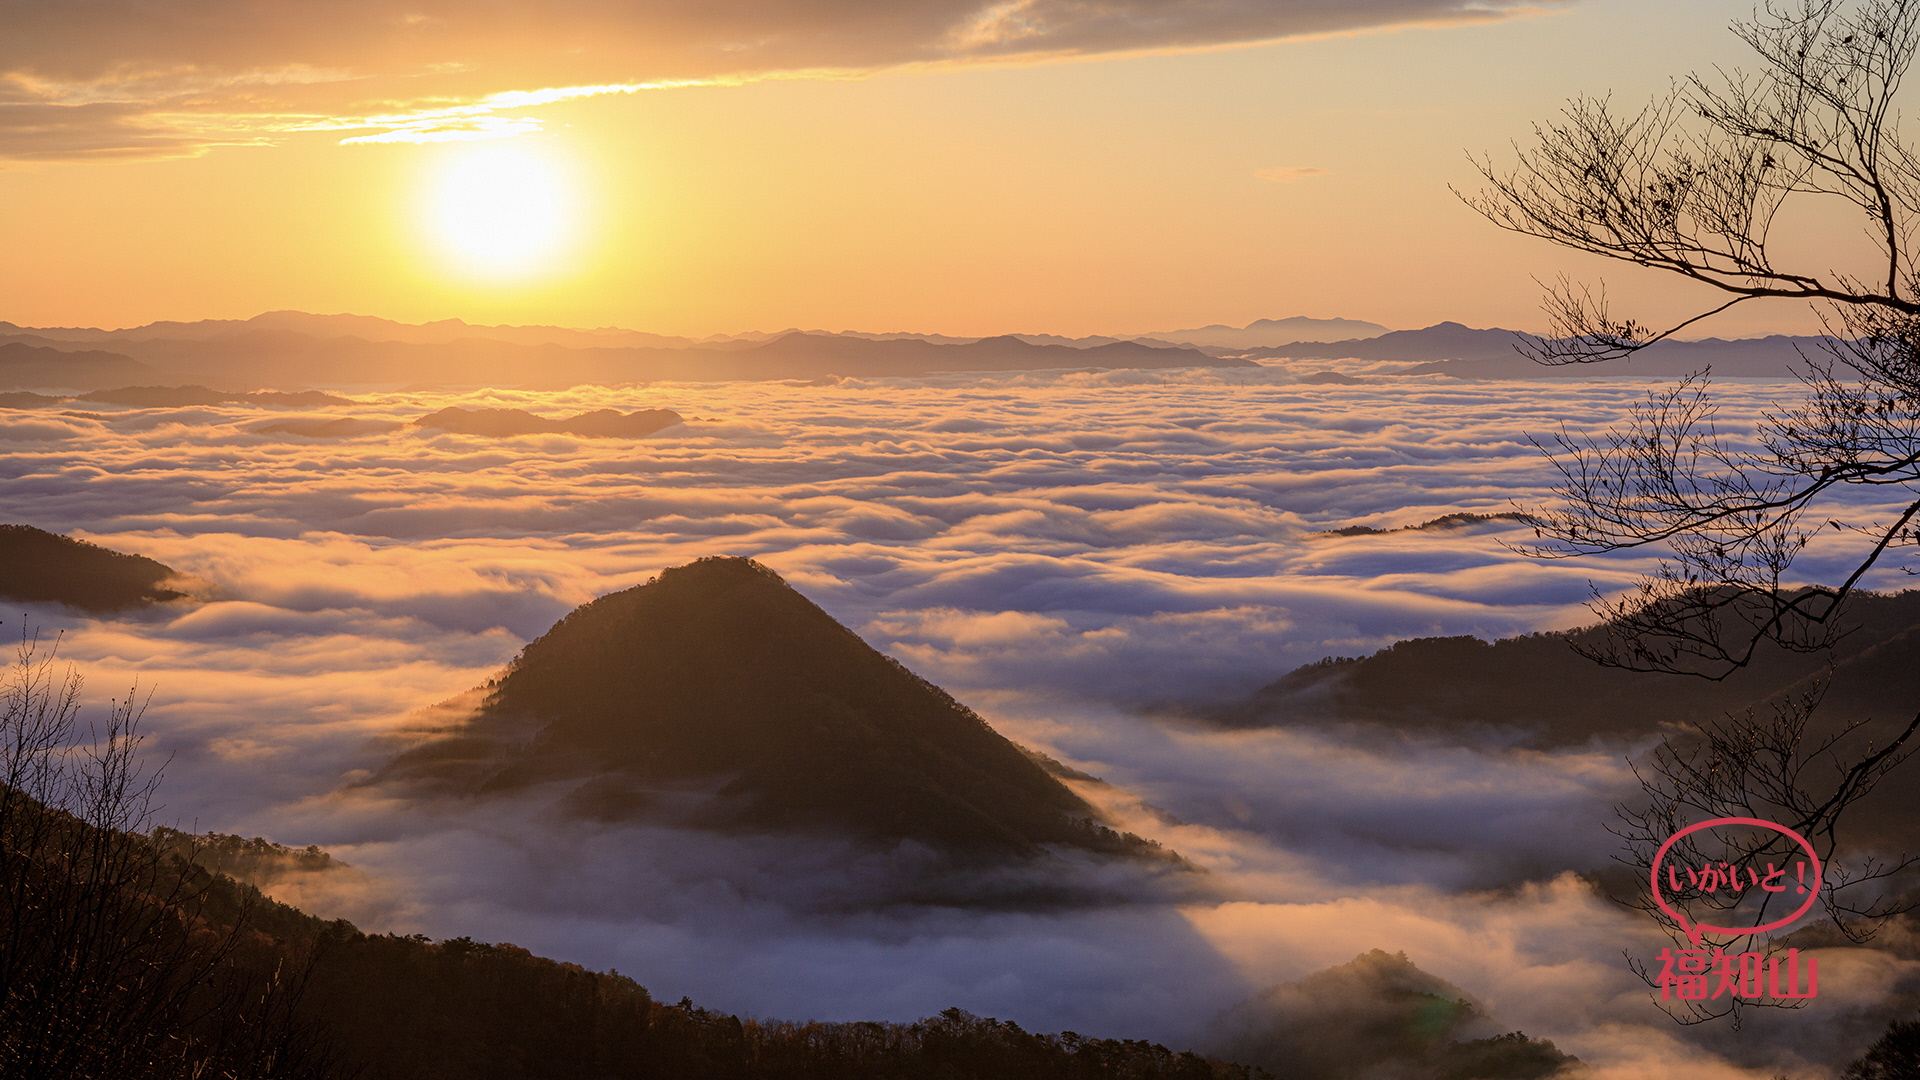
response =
{"points": [[351, 349], [119, 961], [38, 566], [1449, 348], [600, 423], [24, 400], [317, 354], [1536, 690], [718, 697], [128, 960], [1544, 693], [27, 367], [458, 1010]]}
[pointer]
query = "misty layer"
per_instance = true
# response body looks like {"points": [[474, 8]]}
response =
{"points": [[1547, 691], [1544, 690], [1054, 548]]}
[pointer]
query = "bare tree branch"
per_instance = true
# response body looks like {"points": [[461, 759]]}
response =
{"points": [[1692, 184]]}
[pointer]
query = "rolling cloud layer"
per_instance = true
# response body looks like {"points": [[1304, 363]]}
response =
{"points": [[1057, 550], [164, 79]]}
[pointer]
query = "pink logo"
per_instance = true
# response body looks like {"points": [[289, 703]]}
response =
{"points": [[1688, 973]]}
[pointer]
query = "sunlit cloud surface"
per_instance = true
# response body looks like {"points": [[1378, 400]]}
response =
{"points": [[1058, 550]]}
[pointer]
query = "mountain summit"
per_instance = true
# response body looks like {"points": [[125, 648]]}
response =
{"points": [[717, 696]]}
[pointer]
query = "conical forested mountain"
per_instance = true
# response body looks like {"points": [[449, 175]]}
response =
{"points": [[717, 696]]}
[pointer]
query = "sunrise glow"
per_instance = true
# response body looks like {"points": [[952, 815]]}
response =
{"points": [[999, 539], [501, 209]]}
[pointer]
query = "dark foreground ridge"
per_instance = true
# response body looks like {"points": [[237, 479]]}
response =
{"points": [[39, 567], [132, 961], [717, 696]]}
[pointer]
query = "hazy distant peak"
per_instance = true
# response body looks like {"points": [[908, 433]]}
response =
{"points": [[1266, 333], [1379, 1015]]}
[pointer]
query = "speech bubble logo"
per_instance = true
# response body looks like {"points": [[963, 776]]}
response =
{"points": [[1694, 931]]}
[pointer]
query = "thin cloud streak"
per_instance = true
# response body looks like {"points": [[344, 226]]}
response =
{"points": [[1288, 174]]}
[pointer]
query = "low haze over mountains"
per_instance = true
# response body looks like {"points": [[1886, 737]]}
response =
{"points": [[288, 349], [270, 353], [1538, 692], [1449, 348], [1263, 333]]}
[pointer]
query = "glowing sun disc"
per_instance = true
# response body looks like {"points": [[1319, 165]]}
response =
{"points": [[501, 210]]}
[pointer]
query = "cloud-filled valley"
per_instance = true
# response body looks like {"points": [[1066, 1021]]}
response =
{"points": [[1064, 552]]}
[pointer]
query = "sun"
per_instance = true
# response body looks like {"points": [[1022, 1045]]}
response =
{"points": [[502, 209]]}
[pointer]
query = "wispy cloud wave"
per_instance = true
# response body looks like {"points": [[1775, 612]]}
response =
{"points": [[181, 76]]}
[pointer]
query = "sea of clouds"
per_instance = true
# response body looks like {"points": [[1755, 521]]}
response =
{"points": [[1062, 551]]}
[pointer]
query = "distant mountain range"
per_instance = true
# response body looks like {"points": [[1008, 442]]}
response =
{"points": [[291, 348], [1449, 348], [1261, 332], [717, 697], [253, 356], [1265, 333], [24, 366], [365, 327]]}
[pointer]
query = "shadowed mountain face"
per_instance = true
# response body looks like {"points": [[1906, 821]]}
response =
{"points": [[38, 566], [717, 696]]}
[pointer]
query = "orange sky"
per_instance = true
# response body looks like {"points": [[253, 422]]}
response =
{"points": [[922, 182]]}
